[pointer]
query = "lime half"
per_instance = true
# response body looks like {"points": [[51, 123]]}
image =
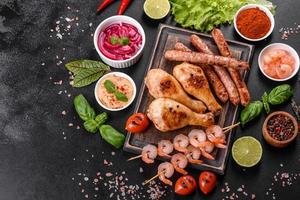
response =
{"points": [[246, 151], [156, 9]]}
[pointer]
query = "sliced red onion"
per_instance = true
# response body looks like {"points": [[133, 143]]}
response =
{"points": [[117, 51]]}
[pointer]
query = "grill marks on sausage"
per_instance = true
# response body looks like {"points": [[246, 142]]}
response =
{"points": [[235, 74], [206, 59], [201, 46]]}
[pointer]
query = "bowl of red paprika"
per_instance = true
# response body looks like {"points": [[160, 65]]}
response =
{"points": [[254, 22]]}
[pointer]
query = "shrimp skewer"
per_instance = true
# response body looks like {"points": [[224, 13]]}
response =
{"points": [[165, 170], [179, 162], [216, 135], [165, 147], [181, 143], [149, 153], [193, 155], [198, 139]]}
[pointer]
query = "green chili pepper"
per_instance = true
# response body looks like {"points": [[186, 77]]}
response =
{"points": [[83, 108], [112, 136]]}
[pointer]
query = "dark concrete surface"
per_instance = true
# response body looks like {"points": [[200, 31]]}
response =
{"points": [[42, 157]]}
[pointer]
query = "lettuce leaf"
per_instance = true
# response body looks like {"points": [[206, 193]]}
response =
{"points": [[204, 15]]}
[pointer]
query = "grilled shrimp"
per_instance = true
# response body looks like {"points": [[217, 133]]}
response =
{"points": [[198, 139], [216, 135], [181, 142], [165, 147], [193, 155], [149, 153], [165, 171], [179, 162]]}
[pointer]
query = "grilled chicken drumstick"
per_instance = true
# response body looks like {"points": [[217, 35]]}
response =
{"points": [[194, 82], [168, 115], [235, 74], [161, 84], [211, 75]]}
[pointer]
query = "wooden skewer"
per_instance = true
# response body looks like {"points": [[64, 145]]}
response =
{"points": [[135, 157], [230, 127], [154, 177]]}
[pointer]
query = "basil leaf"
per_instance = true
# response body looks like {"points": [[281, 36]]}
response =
{"points": [[280, 94], [250, 112], [101, 118], [114, 40], [87, 76], [83, 108], [124, 41], [79, 65], [264, 99], [121, 97], [90, 126], [112, 136], [109, 86]]}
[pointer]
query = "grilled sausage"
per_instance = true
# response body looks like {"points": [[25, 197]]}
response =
{"points": [[212, 77], [221, 71], [205, 59], [235, 75]]}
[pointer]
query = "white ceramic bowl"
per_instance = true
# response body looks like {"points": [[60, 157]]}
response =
{"points": [[282, 46], [120, 74], [262, 8], [116, 19]]}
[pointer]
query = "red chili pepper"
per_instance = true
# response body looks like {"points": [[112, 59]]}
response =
{"points": [[104, 4], [123, 6]]}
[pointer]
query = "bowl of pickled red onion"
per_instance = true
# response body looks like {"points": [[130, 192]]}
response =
{"points": [[279, 62], [119, 41]]}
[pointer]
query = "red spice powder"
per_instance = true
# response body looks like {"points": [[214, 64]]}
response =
{"points": [[253, 23]]}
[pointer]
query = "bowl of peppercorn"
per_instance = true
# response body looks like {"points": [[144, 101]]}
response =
{"points": [[280, 129]]}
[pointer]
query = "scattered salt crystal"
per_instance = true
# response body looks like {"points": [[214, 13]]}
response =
{"points": [[63, 112], [85, 178], [90, 24], [59, 36], [70, 124], [68, 19], [141, 170], [108, 174]]}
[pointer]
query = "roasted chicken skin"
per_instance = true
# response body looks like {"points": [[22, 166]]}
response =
{"points": [[168, 115], [161, 84], [194, 82]]}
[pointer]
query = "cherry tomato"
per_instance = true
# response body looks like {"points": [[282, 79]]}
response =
{"points": [[137, 123], [207, 181], [185, 185]]}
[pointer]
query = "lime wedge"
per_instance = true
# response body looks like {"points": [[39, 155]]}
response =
{"points": [[156, 9], [246, 151]]}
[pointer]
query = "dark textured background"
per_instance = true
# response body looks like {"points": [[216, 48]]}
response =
{"points": [[40, 156]]}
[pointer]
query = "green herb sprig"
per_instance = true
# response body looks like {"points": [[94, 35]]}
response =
{"points": [[111, 88], [114, 40], [86, 71], [278, 95]]}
